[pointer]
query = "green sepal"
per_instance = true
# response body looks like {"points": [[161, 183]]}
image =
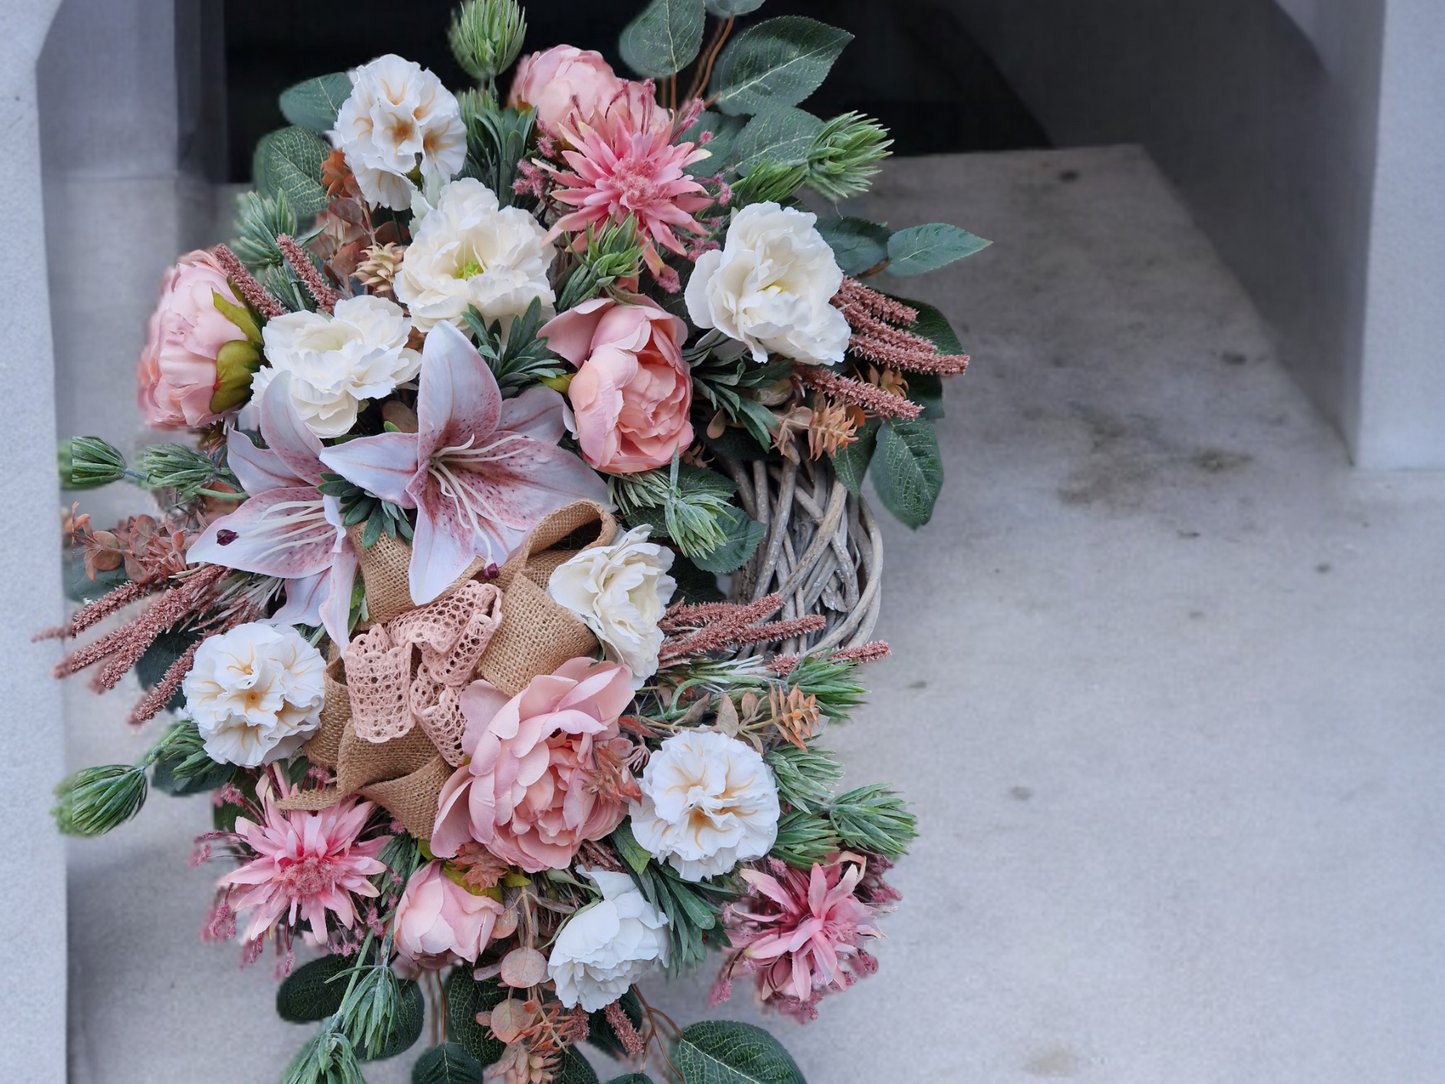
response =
{"points": [[236, 364]]}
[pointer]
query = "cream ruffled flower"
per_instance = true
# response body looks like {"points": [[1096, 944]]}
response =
{"points": [[255, 693], [399, 112], [620, 592], [469, 250], [770, 285], [603, 949], [708, 803], [337, 361]]}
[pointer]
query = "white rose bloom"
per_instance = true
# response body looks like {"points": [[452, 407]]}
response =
{"points": [[708, 803], [255, 693], [770, 285], [620, 592], [337, 361], [603, 949], [398, 111], [468, 250]]}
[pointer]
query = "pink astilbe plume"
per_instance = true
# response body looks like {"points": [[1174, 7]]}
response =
{"points": [[306, 865], [872, 315], [872, 399], [628, 168], [801, 934], [711, 626]]}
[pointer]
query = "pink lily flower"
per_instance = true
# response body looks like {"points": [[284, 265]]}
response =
{"points": [[285, 527], [480, 471]]}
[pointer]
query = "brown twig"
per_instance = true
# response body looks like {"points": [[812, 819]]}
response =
{"points": [[703, 72]]}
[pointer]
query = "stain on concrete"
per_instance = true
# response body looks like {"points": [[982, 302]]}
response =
{"points": [[1055, 1062], [1217, 461], [1233, 357], [1020, 794]]}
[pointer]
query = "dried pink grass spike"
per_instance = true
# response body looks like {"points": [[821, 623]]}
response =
{"points": [[626, 1033], [872, 399], [867, 310], [99, 610], [783, 665], [326, 297], [881, 305], [252, 290]]}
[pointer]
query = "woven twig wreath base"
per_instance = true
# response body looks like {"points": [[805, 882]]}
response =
{"points": [[823, 551]]}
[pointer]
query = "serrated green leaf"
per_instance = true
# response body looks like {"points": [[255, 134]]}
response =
{"points": [[731, 1052], [851, 461], [405, 1028], [307, 995], [778, 62], [927, 390], [631, 1078], [447, 1064], [724, 131], [743, 533], [288, 162], [781, 135], [664, 39], [633, 853], [314, 103], [465, 998], [728, 9], [573, 1068], [857, 244], [907, 469], [919, 249], [933, 326]]}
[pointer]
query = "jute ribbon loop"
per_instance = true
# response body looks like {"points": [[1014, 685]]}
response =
{"points": [[392, 723]]}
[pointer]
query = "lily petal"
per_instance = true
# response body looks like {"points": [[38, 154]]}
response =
{"points": [[286, 434], [383, 464], [335, 611], [282, 532], [458, 399], [257, 469], [536, 413], [303, 601]]}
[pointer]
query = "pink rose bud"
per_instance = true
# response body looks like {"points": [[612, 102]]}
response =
{"points": [[439, 919], [632, 391], [198, 359]]}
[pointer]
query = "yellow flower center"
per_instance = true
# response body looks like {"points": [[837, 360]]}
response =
{"points": [[470, 269]]}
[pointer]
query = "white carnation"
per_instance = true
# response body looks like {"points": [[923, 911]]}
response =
{"points": [[708, 803], [399, 113], [620, 592], [770, 285], [603, 949], [255, 693], [337, 361], [468, 250]]}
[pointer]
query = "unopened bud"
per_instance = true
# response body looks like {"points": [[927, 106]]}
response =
{"points": [[486, 36], [89, 462]]}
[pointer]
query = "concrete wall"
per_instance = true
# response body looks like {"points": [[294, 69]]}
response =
{"points": [[1266, 116]]}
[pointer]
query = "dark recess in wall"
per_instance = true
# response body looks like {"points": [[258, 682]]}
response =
{"points": [[911, 65]]}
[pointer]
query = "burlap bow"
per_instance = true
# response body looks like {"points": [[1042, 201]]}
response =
{"points": [[392, 725]]}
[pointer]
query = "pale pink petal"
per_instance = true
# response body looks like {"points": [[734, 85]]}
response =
{"points": [[384, 464], [569, 334], [536, 413], [458, 399], [286, 434], [257, 469], [282, 532]]}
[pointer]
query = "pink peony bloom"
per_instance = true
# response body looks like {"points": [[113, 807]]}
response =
{"points": [[307, 864], [805, 935], [530, 794], [177, 373], [632, 391], [480, 471], [571, 86], [439, 919]]}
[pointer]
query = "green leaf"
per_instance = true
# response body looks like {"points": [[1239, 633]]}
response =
{"points": [[933, 326], [743, 533], [288, 162], [857, 244], [724, 131], [851, 461], [306, 995], [465, 998], [165, 649], [405, 1029], [730, 1052], [626, 843], [920, 249], [777, 62], [601, 1033], [907, 470], [693, 584], [664, 39], [781, 135], [315, 103], [727, 9], [631, 1078], [573, 1068], [447, 1064]]}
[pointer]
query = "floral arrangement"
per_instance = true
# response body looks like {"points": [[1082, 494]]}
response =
{"points": [[458, 595]]}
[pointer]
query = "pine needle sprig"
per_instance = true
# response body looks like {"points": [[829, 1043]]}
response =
{"points": [[693, 502], [188, 471], [723, 382], [805, 838], [805, 777], [96, 800], [517, 358], [874, 818], [845, 156], [360, 505], [613, 253]]}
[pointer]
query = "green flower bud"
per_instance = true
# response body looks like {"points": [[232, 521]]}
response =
{"points": [[845, 155], [768, 182], [95, 800], [89, 462], [486, 36]]}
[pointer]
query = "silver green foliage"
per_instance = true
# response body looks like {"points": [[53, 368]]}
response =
{"points": [[694, 505], [845, 155], [288, 161], [779, 135], [314, 103], [920, 249], [731, 1052], [486, 36], [664, 38], [778, 62], [874, 818]]}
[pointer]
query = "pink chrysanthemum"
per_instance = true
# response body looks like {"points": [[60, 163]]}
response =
{"points": [[630, 168], [307, 864], [804, 935]]}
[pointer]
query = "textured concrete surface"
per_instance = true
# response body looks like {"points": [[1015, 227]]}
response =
{"points": [[1165, 694]]}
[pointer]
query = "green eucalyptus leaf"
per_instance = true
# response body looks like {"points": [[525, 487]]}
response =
{"points": [[777, 62], [731, 1052], [851, 461], [920, 249], [779, 135], [664, 39], [288, 162], [858, 245], [908, 470], [447, 1064], [315, 103]]}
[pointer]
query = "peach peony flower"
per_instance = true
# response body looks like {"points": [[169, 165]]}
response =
{"points": [[439, 918], [632, 391], [574, 86], [530, 793], [177, 376]]}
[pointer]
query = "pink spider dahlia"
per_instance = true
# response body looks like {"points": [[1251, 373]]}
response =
{"points": [[307, 864], [804, 936], [628, 167]]}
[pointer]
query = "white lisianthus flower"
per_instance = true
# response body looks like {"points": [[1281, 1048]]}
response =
{"points": [[469, 250], [769, 287], [398, 116], [708, 803], [255, 693], [620, 592], [337, 361], [606, 947]]}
